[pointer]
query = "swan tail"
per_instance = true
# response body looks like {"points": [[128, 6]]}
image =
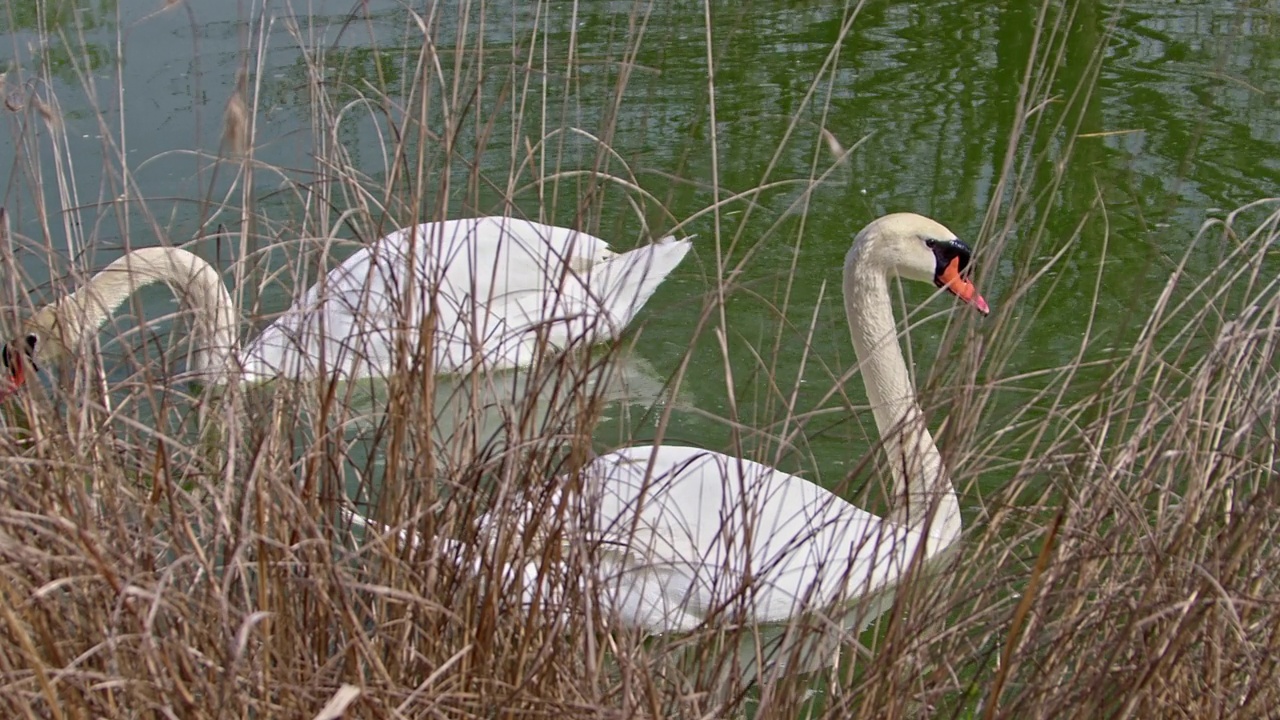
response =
{"points": [[625, 282]]}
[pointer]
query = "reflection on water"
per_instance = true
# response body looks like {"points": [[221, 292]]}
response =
{"points": [[478, 417], [482, 404]]}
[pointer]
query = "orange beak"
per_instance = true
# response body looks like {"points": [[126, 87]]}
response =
{"points": [[16, 366], [960, 286]]}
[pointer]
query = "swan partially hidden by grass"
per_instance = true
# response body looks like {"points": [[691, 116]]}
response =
{"points": [[675, 539], [492, 292]]}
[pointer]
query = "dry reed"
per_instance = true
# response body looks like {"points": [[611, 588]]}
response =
{"points": [[164, 554]]}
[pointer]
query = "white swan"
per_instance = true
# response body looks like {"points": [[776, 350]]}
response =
{"points": [[679, 537], [493, 290]]}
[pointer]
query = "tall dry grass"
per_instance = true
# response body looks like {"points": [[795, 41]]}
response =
{"points": [[165, 553]]}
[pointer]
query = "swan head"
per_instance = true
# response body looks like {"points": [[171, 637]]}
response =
{"points": [[914, 247], [40, 344], [44, 334]]}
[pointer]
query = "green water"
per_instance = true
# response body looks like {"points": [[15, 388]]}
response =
{"points": [[1181, 121]]}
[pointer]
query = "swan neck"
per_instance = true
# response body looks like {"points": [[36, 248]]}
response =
{"points": [[196, 284], [921, 486]]}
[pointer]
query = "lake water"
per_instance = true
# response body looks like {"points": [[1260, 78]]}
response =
{"points": [[1159, 116]]}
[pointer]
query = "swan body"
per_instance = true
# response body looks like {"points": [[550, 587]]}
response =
{"points": [[682, 536], [498, 290], [487, 293]]}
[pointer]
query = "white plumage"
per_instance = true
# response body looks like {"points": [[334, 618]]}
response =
{"points": [[677, 538], [486, 293], [496, 291]]}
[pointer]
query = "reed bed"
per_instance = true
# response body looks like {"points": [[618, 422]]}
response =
{"points": [[168, 551]]}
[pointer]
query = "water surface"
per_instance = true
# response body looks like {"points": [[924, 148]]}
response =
{"points": [[1160, 116]]}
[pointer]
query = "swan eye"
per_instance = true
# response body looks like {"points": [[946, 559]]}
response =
{"points": [[31, 340], [948, 251]]}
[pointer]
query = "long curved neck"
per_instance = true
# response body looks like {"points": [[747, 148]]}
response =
{"points": [[196, 284], [922, 489]]}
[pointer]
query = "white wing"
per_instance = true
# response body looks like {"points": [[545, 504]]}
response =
{"points": [[494, 292]]}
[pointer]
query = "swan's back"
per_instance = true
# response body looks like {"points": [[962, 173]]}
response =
{"points": [[706, 534], [495, 291]]}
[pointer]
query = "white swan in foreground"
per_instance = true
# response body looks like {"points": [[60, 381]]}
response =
{"points": [[678, 538], [494, 292]]}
